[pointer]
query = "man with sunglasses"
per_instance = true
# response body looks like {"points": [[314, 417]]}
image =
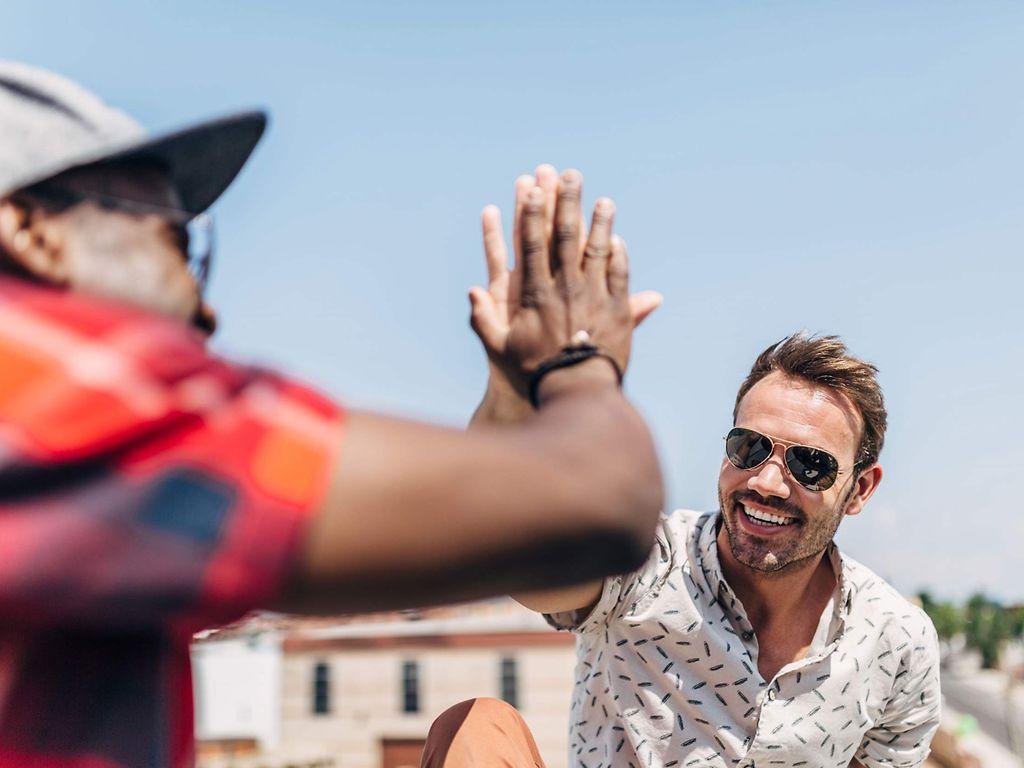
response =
{"points": [[149, 489], [746, 639]]}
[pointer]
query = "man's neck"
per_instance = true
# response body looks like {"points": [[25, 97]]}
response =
{"points": [[769, 598]]}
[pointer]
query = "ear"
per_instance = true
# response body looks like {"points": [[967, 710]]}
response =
{"points": [[31, 241], [864, 487]]}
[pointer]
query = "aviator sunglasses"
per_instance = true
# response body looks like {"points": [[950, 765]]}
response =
{"points": [[814, 468]]}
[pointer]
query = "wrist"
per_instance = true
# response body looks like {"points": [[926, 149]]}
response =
{"points": [[502, 403], [594, 374]]}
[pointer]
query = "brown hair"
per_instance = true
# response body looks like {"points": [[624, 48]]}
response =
{"points": [[824, 360]]}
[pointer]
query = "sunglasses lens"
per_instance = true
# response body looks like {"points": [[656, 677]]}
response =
{"points": [[814, 469], [746, 448]]}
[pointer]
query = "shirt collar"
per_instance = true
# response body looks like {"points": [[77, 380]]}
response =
{"points": [[711, 568]]}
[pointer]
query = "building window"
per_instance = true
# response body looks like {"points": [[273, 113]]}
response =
{"points": [[321, 688], [410, 686], [509, 681]]}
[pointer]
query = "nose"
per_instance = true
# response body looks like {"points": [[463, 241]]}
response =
{"points": [[770, 479]]}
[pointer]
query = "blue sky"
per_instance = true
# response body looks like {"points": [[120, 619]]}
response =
{"points": [[840, 167]]}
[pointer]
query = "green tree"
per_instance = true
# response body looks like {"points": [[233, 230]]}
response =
{"points": [[924, 597], [947, 618], [986, 625], [1016, 619]]}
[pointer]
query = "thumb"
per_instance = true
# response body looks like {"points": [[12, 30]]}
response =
{"points": [[483, 317], [641, 304]]}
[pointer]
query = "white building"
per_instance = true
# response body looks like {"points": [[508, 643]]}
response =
{"points": [[361, 692], [238, 689]]}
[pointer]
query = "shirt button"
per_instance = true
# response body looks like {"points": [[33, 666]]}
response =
{"points": [[748, 635], [771, 694]]}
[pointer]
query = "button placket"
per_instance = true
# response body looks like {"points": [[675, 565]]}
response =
{"points": [[765, 697]]}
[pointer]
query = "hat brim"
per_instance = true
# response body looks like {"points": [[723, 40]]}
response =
{"points": [[203, 159]]}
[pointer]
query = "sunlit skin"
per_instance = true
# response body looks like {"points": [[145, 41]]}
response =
{"points": [[780, 574], [138, 257]]}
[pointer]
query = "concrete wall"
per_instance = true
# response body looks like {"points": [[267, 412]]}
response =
{"points": [[238, 689], [366, 697]]}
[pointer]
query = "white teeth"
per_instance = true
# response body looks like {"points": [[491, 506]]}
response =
{"points": [[765, 517]]}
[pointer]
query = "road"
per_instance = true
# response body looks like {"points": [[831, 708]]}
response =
{"points": [[988, 704]]}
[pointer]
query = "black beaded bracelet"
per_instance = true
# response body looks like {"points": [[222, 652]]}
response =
{"points": [[568, 357]]}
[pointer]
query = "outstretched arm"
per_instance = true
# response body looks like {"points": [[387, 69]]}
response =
{"points": [[501, 404], [419, 514]]}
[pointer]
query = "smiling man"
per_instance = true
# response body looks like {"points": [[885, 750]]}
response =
{"points": [[746, 639]]}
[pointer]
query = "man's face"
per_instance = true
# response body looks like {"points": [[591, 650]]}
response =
{"points": [[798, 412], [136, 252]]}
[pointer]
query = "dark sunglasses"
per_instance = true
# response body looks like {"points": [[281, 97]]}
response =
{"points": [[814, 468], [198, 227]]}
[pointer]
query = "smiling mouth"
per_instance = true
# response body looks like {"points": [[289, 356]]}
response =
{"points": [[760, 517]]}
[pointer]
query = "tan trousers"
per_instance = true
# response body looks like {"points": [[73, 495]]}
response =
{"points": [[481, 733]]}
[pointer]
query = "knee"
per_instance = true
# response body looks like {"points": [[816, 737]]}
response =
{"points": [[492, 708], [450, 720], [480, 731], [482, 707]]}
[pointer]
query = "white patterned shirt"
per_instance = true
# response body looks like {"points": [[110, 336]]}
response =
{"points": [[667, 671]]}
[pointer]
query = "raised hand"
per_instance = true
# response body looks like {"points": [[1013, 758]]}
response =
{"points": [[494, 307], [567, 284]]}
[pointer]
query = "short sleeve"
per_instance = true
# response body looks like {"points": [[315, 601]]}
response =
{"points": [[626, 593], [903, 734], [145, 482]]}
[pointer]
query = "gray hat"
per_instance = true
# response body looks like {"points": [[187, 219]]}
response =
{"points": [[49, 124]]}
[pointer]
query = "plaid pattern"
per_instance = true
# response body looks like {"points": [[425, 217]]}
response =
{"points": [[147, 490]]}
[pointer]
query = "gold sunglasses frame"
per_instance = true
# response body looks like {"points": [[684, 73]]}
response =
{"points": [[787, 444]]}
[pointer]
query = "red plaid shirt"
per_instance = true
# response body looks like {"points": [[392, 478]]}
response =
{"points": [[147, 490]]}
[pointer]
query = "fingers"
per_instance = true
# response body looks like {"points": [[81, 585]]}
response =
{"points": [[547, 179], [485, 321], [549, 237], [618, 269], [495, 251], [536, 277], [523, 186], [598, 249], [642, 304], [566, 245]]}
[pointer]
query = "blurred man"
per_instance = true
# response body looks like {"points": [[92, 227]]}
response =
{"points": [[149, 489], [746, 638]]}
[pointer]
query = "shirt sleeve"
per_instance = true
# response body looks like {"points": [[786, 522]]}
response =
{"points": [[903, 734], [145, 482], [625, 594]]}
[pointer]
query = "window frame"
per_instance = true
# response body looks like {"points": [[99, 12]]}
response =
{"points": [[321, 701], [410, 701], [508, 680]]}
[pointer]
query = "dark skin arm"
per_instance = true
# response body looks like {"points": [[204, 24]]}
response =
{"points": [[502, 404], [418, 514]]}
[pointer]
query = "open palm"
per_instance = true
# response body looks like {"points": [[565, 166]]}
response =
{"points": [[497, 303]]}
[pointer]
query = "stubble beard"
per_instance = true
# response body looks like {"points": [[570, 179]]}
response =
{"points": [[768, 556]]}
